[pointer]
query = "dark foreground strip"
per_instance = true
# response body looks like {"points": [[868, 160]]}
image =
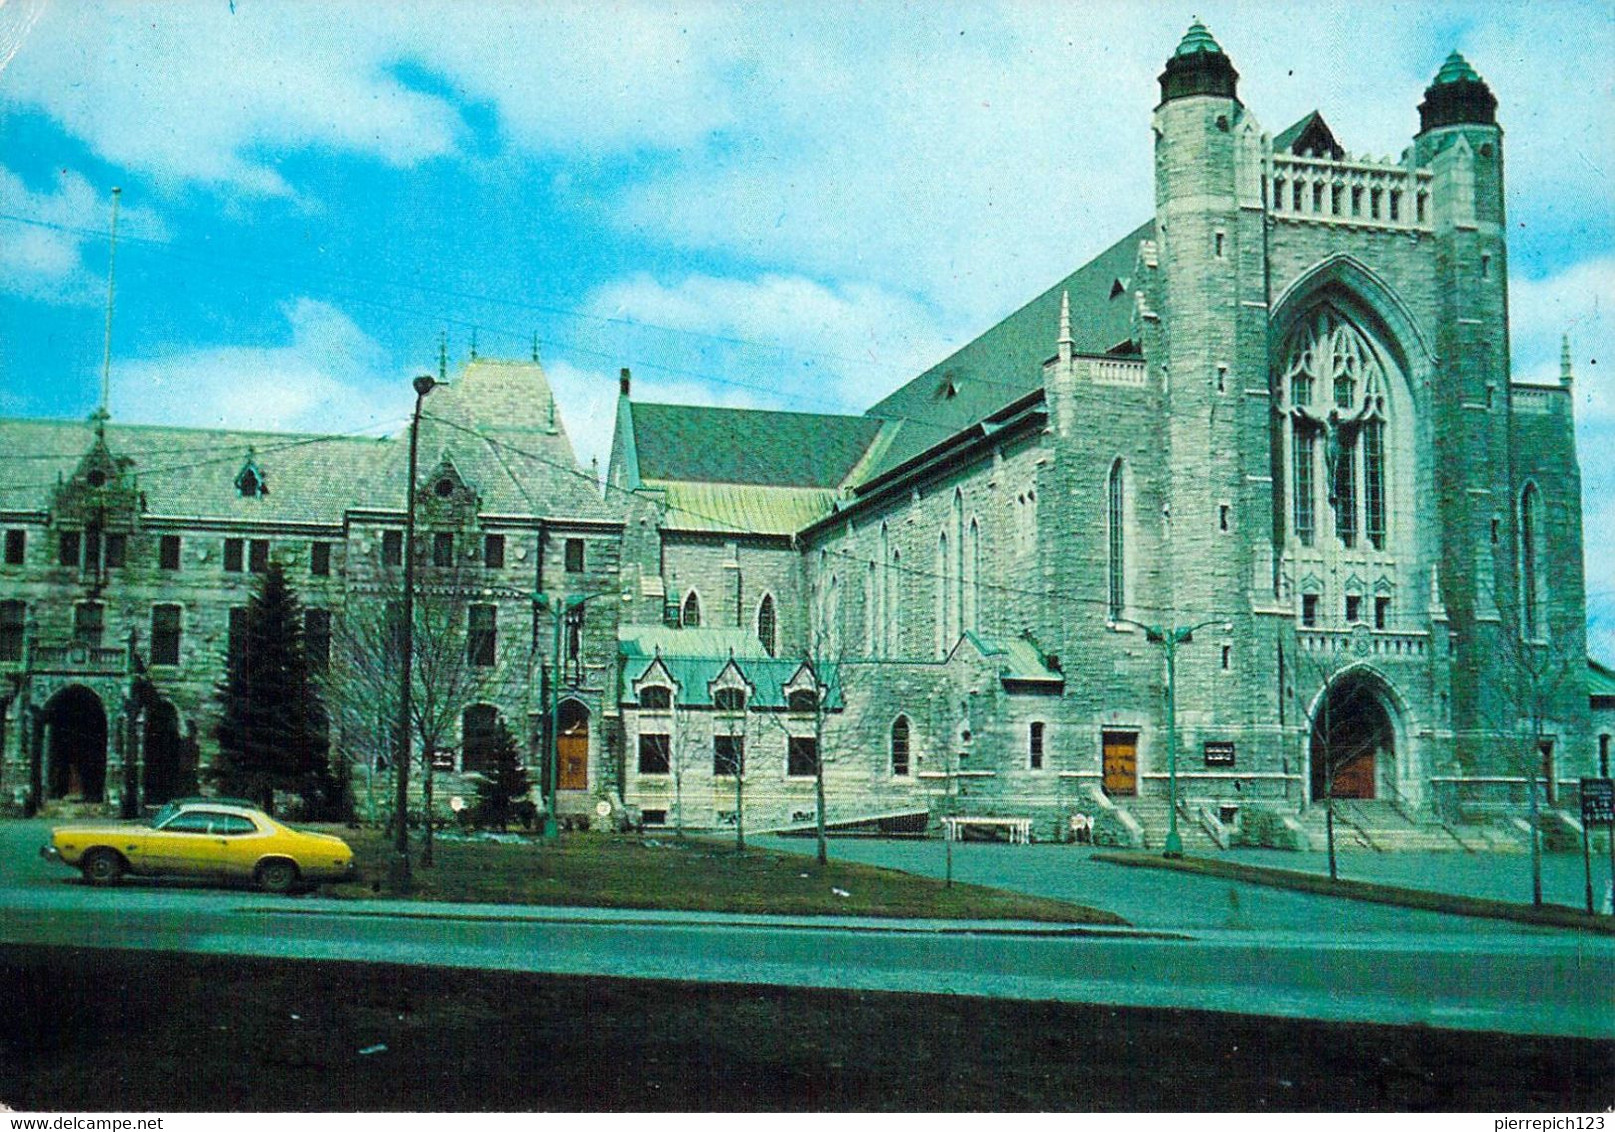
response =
{"points": [[91, 1031], [1548, 915]]}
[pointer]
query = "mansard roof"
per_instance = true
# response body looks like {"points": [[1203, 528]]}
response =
{"points": [[695, 658], [760, 447], [504, 446], [1006, 362]]}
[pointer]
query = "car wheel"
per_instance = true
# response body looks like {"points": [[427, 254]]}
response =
{"points": [[102, 867], [277, 876]]}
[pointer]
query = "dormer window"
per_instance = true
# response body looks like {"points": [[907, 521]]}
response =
{"points": [[656, 698], [729, 699], [250, 482], [801, 700]]}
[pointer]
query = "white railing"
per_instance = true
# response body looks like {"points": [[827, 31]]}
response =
{"points": [[1349, 192], [1116, 371], [1363, 641]]}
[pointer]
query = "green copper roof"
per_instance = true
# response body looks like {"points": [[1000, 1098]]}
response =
{"points": [[747, 446], [1455, 69], [1197, 40]]}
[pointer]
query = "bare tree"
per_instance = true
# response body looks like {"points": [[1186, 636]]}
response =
{"points": [[460, 658]]}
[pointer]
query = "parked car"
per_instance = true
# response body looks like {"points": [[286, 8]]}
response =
{"points": [[203, 839], [171, 807]]}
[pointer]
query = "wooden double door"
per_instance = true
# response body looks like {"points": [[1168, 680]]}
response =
{"points": [[1120, 762]]}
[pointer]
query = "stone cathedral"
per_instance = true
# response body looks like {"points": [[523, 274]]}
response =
{"points": [[1247, 512]]}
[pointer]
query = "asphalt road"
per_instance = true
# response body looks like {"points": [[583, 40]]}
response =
{"points": [[1491, 978]]}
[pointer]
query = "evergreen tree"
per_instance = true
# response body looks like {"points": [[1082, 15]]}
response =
{"points": [[506, 781], [271, 730]]}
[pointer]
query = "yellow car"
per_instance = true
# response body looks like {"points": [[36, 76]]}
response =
{"points": [[203, 839]]}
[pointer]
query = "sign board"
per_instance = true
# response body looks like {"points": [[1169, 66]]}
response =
{"points": [[1219, 752], [1597, 801]]}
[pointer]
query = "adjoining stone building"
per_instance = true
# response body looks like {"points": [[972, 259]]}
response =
{"points": [[1278, 413], [130, 551]]}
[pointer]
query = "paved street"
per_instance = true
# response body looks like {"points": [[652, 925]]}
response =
{"points": [[1239, 948]]}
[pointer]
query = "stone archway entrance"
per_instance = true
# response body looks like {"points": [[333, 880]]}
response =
{"points": [[1353, 739], [572, 746], [166, 775], [75, 733]]}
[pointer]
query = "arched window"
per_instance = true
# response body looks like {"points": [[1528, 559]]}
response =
{"points": [[871, 620], [767, 626], [690, 615], [972, 577], [900, 761], [1530, 561], [894, 604], [479, 725], [1327, 353], [1116, 525], [832, 616], [656, 697], [944, 593]]}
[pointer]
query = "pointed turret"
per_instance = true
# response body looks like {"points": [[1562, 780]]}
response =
{"points": [[1456, 97], [1198, 66], [1066, 345], [1567, 376]]}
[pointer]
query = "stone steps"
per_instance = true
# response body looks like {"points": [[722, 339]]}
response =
{"points": [[1154, 816]]}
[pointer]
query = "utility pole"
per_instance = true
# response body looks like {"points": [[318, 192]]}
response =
{"points": [[400, 876]]}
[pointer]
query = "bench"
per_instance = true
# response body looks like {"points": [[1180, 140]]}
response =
{"points": [[1019, 829]]}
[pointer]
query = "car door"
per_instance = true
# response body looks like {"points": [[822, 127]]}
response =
{"points": [[184, 845], [241, 842]]}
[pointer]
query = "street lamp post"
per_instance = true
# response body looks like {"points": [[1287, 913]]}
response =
{"points": [[1171, 637], [559, 607], [400, 877]]}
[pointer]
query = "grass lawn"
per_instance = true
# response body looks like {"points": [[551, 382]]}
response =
{"points": [[630, 871], [123, 1031]]}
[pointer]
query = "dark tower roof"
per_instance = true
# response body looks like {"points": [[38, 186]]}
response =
{"points": [[1457, 96], [1198, 66]]}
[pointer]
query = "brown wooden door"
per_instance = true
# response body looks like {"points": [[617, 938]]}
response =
{"points": [[1355, 779], [1121, 762], [574, 757]]}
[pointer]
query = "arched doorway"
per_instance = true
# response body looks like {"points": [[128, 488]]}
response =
{"points": [[1353, 738], [166, 775], [76, 744], [572, 746]]}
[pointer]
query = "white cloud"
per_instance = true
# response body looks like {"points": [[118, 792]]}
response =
{"points": [[51, 258], [329, 376]]}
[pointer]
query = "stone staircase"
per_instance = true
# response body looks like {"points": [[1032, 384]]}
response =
{"points": [[1385, 828], [1153, 815]]}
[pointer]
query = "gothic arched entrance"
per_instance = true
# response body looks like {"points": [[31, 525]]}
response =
{"points": [[572, 746], [76, 744], [1353, 738], [166, 775]]}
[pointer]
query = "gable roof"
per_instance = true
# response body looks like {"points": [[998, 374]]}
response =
{"points": [[1311, 135], [761, 447], [1006, 362]]}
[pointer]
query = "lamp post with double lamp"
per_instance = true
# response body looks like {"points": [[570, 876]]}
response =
{"points": [[1171, 637], [399, 873], [559, 608]]}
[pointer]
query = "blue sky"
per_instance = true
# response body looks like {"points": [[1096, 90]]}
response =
{"points": [[789, 204]]}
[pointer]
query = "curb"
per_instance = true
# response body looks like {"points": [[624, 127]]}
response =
{"points": [[1546, 915]]}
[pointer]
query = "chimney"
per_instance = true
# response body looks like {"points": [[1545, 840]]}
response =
{"points": [[622, 382]]}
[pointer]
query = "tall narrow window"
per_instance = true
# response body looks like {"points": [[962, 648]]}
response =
{"points": [[801, 756], [479, 730], [493, 552], [574, 556], [767, 628], [232, 555], [1345, 489], [165, 630], [1530, 566], [481, 639], [317, 638], [1116, 572], [319, 559], [1374, 481], [443, 549], [13, 619], [258, 555], [392, 548], [690, 613], [972, 578], [1034, 746], [900, 760], [69, 545], [117, 550], [894, 604], [944, 591], [16, 547], [168, 552], [89, 622]]}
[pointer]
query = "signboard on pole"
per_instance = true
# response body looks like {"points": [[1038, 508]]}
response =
{"points": [[1598, 801]]}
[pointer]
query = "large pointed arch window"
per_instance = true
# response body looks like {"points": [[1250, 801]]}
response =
{"points": [[1116, 527], [1334, 388], [690, 614]]}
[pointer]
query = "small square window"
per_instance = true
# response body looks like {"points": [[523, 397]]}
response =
{"points": [[319, 559], [1354, 609], [1309, 609], [16, 547], [493, 552], [258, 555], [232, 555], [392, 548], [1382, 612], [574, 556], [443, 548], [168, 552]]}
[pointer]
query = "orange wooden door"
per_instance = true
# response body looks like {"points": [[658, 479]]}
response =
{"points": [[1355, 779], [574, 757], [1121, 763]]}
